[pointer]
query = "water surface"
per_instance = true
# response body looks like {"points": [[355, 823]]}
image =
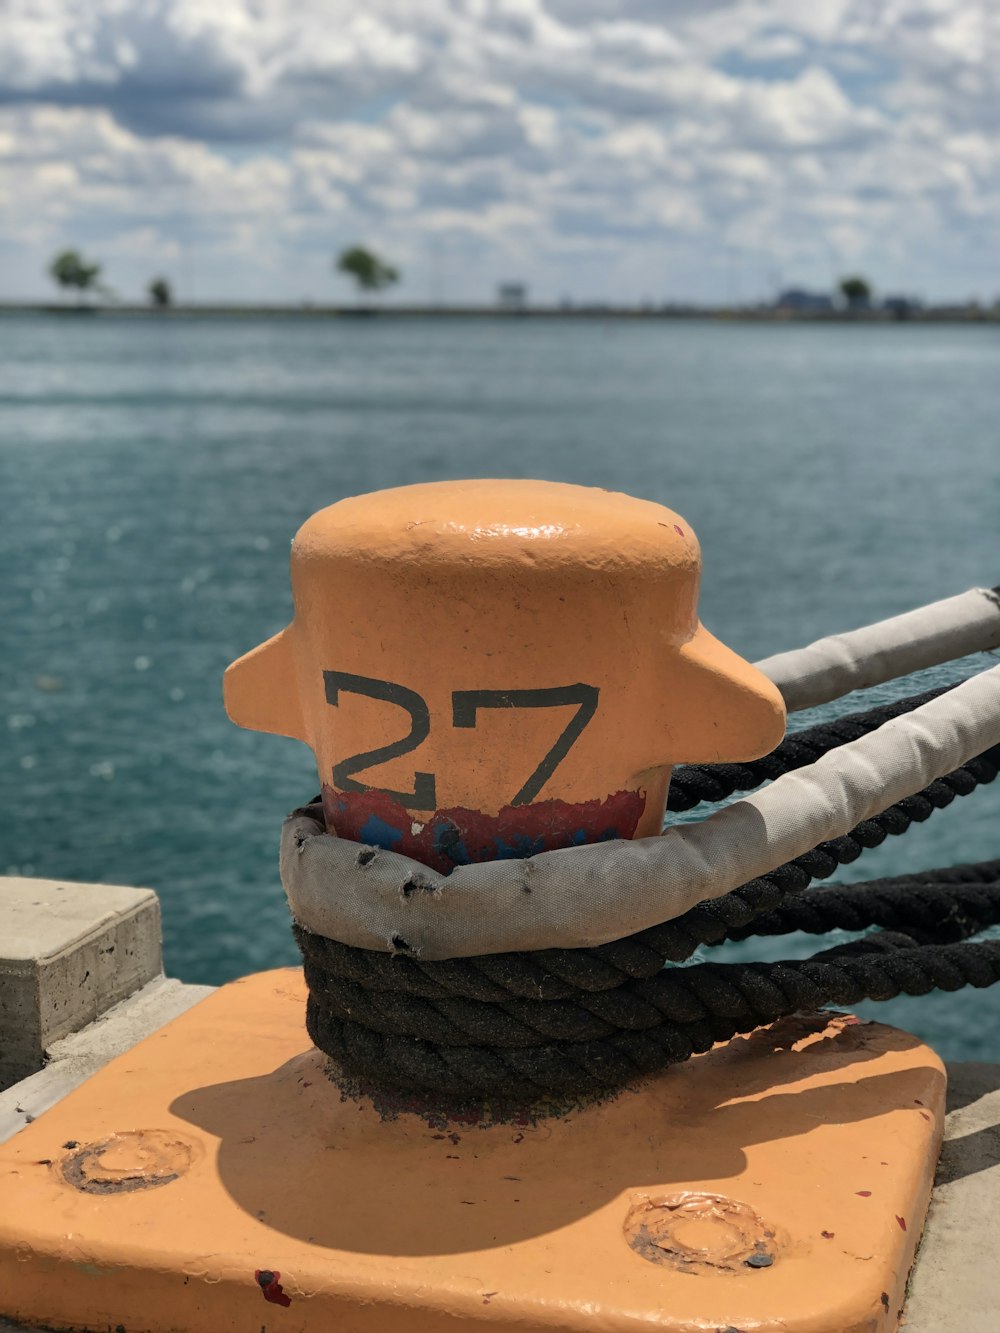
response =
{"points": [[153, 473]]}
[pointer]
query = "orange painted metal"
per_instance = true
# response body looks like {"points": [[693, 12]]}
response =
{"points": [[213, 1180], [491, 668]]}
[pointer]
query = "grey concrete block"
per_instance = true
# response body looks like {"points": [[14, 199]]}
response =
{"points": [[68, 952], [73, 1059]]}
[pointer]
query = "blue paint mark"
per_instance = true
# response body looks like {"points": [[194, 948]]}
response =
{"points": [[448, 842], [379, 834], [578, 838], [519, 847]]}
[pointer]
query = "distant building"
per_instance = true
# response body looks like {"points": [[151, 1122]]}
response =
{"points": [[796, 298], [512, 295], [901, 307]]}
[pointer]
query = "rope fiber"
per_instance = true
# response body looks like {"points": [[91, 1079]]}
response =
{"points": [[526, 1026]]}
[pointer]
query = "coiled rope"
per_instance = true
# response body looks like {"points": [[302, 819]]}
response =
{"points": [[696, 1007], [555, 1022]]}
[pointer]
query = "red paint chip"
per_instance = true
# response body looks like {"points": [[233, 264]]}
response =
{"points": [[902, 1222], [827, 1235], [863, 1194], [679, 530], [268, 1281]]}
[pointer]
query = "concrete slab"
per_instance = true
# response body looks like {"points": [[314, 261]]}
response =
{"points": [[68, 952], [955, 1286]]}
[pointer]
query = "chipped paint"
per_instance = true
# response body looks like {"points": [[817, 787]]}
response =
{"points": [[140, 1159], [460, 836], [700, 1233], [268, 1280]]}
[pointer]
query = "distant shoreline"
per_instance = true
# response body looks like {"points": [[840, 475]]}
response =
{"points": [[740, 314]]}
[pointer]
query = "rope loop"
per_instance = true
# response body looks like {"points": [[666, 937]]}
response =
{"points": [[559, 1022]]}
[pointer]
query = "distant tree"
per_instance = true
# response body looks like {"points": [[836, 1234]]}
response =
{"points": [[371, 273], [160, 293], [69, 269], [857, 292]]}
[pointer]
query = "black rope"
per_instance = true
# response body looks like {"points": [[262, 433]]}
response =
{"points": [[934, 907], [691, 784], [671, 996], [725, 999]]}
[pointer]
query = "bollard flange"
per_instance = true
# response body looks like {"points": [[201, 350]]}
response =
{"points": [[784, 1177]]}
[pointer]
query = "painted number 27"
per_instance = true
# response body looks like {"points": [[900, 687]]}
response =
{"points": [[465, 708]]}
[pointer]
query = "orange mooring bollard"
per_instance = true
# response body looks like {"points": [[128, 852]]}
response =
{"points": [[490, 669], [482, 669]]}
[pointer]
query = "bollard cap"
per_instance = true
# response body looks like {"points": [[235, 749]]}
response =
{"points": [[488, 646]]}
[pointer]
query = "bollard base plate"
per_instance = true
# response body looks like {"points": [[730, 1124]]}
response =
{"points": [[213, 1180]]}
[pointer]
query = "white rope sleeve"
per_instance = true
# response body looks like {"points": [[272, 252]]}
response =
{"points": [[583, 896], [834, 666]]}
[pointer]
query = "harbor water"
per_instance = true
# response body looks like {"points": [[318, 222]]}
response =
{"points": [[153, 472]]}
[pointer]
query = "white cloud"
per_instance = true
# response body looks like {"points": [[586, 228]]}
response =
{"points": [[608, 147]]}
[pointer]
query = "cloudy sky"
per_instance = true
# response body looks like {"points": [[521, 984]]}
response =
{"points": [[603, 149]]}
